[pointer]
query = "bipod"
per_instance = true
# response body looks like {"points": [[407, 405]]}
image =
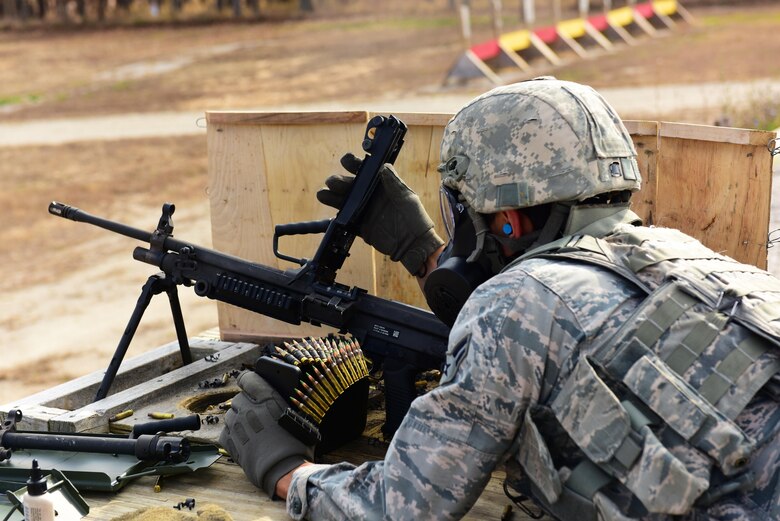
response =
{"points": [[155, 285]]}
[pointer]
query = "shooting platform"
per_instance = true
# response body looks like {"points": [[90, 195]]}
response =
{"points": [[156, 381], [264, 169]]}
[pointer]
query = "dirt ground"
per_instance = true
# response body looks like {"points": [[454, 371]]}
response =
{"points": [[69, 288]]}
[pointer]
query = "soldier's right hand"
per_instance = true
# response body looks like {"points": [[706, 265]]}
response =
{"points": [[394, 221]]}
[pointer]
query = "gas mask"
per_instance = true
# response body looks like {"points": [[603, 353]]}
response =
{"points": [[471, 257]]}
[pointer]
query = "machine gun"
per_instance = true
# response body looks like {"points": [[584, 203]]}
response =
{"points": [[401, 340]]}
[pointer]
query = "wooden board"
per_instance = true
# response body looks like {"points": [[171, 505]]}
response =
{"points": [[715, 192], [264, 168], [224, 484], [645, 137], [154, 381]]}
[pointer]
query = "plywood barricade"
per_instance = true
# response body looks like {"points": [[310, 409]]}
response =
{"points": [[265, 168]]}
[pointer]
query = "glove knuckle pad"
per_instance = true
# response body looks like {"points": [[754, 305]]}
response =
{"points": [[254, 421]]}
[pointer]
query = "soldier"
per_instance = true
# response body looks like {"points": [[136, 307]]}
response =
{"points": [[619, 372]]}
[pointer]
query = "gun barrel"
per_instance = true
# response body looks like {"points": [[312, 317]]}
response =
{"points": [[145, 447], [75, 214]]}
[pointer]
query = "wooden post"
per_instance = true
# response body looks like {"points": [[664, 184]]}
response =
{"points": [[607, 5], [556, 11]]}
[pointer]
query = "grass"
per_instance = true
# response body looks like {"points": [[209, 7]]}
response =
{"points": [[761, 111], [17, 99], [123, 85], [743, 18], [416, 22]]}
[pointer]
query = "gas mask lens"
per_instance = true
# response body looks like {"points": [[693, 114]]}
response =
{"points": [[451, 210]]}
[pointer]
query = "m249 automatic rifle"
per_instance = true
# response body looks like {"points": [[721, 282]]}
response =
{"points": [[400, 339]]}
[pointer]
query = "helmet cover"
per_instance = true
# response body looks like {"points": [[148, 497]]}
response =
{"points": [[536, 142]]}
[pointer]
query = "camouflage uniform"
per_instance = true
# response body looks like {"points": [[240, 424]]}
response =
{"points": [[518, 337], [525, 338]]}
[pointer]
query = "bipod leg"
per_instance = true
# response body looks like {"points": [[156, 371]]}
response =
{"points": [[178, 323], [154, 285]]}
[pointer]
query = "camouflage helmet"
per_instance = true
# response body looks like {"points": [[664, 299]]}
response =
{"points": [[536, 142]]}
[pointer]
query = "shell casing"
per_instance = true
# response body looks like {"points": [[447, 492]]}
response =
{"points": [[338, 354], [355, 365], [304, 353], [121, 415], [310, 403], [316, 389], [160, 415], [332, 377], [321, 353], [322, 349], [334, 380], [297, 353], [287, 357], [341, 372], [321, 384], [302, 407], [327, 383], [359, 353], [308, 348], [355, 356], [348, 364], [316, 398]]}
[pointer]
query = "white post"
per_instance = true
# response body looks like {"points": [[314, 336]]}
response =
{"points": [[464, 10], [584, 6], [529, 13], [498, 23], [556, 11]]}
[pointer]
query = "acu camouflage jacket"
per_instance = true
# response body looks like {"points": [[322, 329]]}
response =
{"points": [[596, 393]]}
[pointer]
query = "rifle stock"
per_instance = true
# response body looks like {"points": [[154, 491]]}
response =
{"points": [[400, 339]]}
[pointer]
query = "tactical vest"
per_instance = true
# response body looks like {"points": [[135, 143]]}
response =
{"points": [[697, 349]]}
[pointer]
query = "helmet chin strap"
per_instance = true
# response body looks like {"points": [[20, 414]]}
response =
{"points": [[488, 248]]}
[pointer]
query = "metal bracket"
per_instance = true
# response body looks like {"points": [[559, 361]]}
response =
{"points": [[773, 146]]}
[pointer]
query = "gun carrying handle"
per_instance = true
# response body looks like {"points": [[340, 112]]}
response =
{"points": [[301, 228]]}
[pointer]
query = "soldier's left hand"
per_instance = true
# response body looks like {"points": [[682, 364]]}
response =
{"points": [[254, 438]]}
